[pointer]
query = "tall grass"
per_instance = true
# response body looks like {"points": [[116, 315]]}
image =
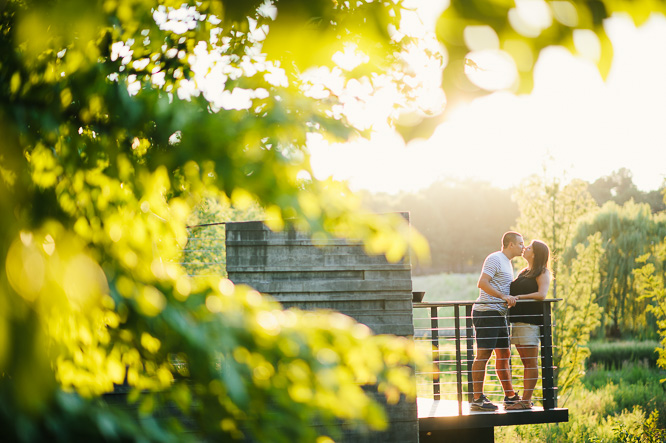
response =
{"points": [[615, 354], [634, 384]]}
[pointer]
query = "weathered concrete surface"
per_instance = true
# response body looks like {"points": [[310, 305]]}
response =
{"points": [[334, 274]]}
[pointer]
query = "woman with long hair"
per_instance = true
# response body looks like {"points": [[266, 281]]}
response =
{"points": [[527, 318]]}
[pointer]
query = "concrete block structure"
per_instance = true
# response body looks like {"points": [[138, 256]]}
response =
{"points": [[334, 274]]}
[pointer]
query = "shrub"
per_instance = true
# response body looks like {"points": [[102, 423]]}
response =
{"points": [[615, 354], [646, 432], [632, 385], [610, 406]]}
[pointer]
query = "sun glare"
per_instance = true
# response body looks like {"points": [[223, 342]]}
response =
{"points": [[530, 17], [491, 69], [572, 123]]}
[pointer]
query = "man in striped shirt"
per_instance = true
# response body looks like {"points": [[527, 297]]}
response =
{"points": [[490, 325]]}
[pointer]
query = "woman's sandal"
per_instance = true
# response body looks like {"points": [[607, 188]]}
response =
{"points": [[521, 405]]}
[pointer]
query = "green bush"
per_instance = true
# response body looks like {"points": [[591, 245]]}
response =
{"points": [[608, 406], [630, 386], [629, 374], [648, 432], [616, 354]]}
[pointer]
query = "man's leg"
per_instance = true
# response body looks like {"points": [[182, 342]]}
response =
{"points": [[503, 370], [479, 370]]}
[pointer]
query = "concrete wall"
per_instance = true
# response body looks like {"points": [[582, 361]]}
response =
{"points": [[334, 274]]}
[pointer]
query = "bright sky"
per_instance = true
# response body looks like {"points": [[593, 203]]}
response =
{"points": [[572, 121]]}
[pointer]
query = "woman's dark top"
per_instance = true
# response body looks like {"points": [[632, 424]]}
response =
{"points": [[526, 312]]}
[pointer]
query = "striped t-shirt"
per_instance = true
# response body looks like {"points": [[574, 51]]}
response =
{"points": [[498, 267]]}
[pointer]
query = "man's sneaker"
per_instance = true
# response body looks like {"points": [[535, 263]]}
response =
{"points": [[508, 401], [482, 404]]}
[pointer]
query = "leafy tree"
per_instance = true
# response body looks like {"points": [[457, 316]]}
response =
{"points": [[620, 188], [648, 432], [205, 253], [550, 210], [118, 119], [628, 232], [649, 282], [578, 314], [655, 199]]}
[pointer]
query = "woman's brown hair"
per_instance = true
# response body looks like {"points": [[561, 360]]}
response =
{"points": [[540, 262]]}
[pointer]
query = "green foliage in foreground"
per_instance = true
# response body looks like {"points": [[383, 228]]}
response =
{"points": [[118, 119], [610, 406], [648, 432]]}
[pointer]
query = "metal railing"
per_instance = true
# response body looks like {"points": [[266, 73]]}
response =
{"points": [[451, 337]]}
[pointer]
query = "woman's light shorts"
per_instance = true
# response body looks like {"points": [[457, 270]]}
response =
{"points": [[525, 334]]}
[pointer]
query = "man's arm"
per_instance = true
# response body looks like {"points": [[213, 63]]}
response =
{"points": [[484, 285]]}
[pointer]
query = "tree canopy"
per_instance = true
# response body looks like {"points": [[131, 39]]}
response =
{"points": [[619, 187], [628, 232], [478, 33], [463, 221]]}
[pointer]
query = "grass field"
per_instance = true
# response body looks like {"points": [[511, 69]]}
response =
{"points": [[447, 287], [443, 287]]}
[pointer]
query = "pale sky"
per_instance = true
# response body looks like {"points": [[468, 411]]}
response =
{"points": [[587, 128]]}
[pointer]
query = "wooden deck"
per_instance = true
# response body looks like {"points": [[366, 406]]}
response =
{"points": [[439, 418]]}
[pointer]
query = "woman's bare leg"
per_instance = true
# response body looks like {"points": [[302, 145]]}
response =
{"points": [[529, 356]]}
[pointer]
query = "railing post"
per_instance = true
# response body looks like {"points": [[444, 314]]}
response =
{"points": [[469, 334], [547, 373], [434, 326], [456, 314]]}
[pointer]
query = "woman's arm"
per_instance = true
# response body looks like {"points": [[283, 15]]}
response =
{"points": [[543, 282]]}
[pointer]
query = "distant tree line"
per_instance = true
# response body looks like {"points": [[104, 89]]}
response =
{"points": [[619, 187], [463, 220]]}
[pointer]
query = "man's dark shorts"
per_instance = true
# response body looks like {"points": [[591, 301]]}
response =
{"points": [[491, 330]]}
